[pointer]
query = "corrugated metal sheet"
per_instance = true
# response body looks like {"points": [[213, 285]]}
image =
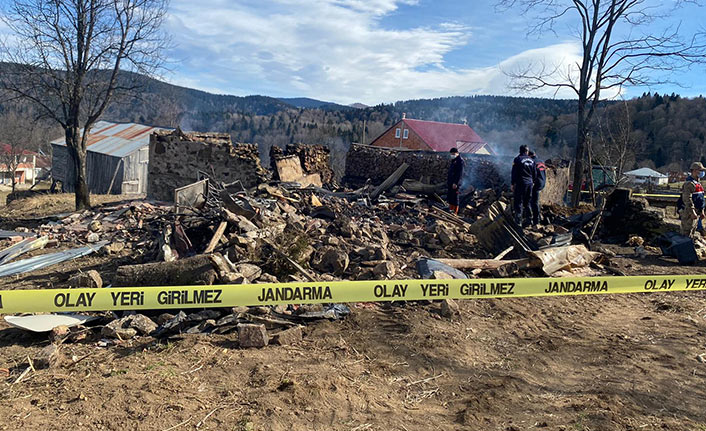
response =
{"points": [[116, 139]]}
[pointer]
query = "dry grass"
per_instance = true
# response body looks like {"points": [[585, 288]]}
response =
{"points": [[51, 204]]}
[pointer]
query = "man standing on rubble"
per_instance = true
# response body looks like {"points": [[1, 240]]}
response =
{"points": [[523, 178], [540, 181], [453, 181], [692, 199]]}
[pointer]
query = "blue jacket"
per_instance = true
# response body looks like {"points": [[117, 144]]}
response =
{"points": [[523, 170]]}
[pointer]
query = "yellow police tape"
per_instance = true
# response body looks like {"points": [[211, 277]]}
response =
{"points": [[650, 195], [153, 298], [643, 195]]}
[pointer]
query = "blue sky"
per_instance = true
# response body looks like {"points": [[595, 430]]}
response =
{"points": [[374, 51]]}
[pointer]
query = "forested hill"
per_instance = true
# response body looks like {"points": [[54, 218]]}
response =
{"points": [[666, 131]]}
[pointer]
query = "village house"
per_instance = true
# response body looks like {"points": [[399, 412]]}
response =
{"points": [[29, 166], [432, 136], [116, 159], [647, 176]]}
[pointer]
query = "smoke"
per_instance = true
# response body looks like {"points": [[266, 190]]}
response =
{"points": [[486, 172]]}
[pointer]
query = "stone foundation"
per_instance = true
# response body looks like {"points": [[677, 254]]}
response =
{"points": [[176, 159]]}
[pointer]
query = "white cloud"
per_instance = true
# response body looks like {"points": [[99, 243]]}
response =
{"points": [[336, 50]]}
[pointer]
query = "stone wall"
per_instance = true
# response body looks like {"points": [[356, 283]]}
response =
{"points": [[376, 163], [176, 159]]}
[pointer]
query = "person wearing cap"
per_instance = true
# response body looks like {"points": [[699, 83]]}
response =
{"points": [[453, 180], [540, 181], [692, 196], [523, 178]]}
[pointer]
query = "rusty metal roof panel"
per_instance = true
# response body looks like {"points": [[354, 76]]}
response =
{"points": [[116, 139]]}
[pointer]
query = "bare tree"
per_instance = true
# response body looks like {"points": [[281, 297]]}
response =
{"points": [[615, 144], [67, 57], [619, 47]]}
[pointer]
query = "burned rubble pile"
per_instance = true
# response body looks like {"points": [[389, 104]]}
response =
{"points": [[227, 230], [277, 232]]}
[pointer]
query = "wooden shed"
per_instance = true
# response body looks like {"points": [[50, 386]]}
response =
{"points": [[117, 154]]}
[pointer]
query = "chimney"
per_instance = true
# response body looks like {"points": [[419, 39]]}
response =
{"points": [[404, 115]]}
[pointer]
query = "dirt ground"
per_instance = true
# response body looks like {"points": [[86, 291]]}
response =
{"points": [[625, 362], [620, 362]]}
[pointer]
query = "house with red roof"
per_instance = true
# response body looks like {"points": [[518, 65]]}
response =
{"points": [[432, 136], [25, 165]]}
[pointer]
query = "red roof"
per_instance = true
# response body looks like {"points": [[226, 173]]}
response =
{"points": [[7, 149], [444, 136]]}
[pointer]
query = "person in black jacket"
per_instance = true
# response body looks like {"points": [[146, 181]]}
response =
{"points": [[540, 180], [454, 180], [523, 177]]}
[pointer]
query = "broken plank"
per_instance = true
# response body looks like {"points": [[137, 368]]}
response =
{"points": [[216, 237], [504, 253]]}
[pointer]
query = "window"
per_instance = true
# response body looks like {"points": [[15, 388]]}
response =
{"points": [[397, 132], [406, 134]]}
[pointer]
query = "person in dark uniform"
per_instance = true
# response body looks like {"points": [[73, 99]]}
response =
{"points": [[454, 180], [692, 200], [540, 181], [523, 177]]}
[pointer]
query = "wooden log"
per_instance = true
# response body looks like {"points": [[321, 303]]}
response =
{"points": [[413, 186], [195, 270], [390, 181], [486, 263]]}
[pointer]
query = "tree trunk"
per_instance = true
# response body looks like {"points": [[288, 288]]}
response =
{"points": [[78, 157], [580, 154], [196, 270], [589, 177]]}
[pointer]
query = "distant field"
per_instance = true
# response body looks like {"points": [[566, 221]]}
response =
{"points": [[5, 191]]}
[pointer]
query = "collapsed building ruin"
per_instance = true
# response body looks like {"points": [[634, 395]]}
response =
{"points": [[178, 159], [302, 163], [314, 159]]}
